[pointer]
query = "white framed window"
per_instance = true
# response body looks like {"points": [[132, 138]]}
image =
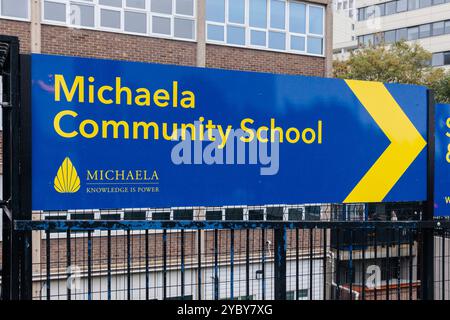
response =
{"points": [[156, 18], [275, 25], [15, 9]]}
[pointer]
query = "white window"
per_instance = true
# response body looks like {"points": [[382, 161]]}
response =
{"points": [[160, 18], [17, 9], [281, 25]]}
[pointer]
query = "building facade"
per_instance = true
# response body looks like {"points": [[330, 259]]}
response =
{"points": [[426, 22]]}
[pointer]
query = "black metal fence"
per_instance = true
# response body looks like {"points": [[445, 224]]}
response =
{"points": [[240, 260]]}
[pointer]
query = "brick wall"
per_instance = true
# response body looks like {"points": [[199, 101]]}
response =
{"points": [[108, 45], [225, 57], [19, 29]]}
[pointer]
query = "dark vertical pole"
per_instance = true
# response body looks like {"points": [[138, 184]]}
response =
{"points": [[165, 264], [89, 262], [216, 265], [47, 264], [12, 249], [147, 275], [427, 276], [128, 265], [69, 262], [311, 267], [247, 263], [199, 264], [297, 266], [263, 264], [23, 161], [280, 262], [182, 263], [232, 264], [109, 264]]}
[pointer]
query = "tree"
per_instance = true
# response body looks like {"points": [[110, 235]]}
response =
{"points": [[399, 62]]}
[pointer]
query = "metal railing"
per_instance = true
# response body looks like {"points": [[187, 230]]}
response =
{"points": [[202, 260]]}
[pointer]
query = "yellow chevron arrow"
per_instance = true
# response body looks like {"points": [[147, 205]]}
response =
{"points": [[406, 142]]}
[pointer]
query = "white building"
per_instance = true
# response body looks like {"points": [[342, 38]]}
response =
{"points": [[426, 22]]}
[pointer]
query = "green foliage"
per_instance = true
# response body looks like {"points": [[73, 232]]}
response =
{"points": [[400, 62]]}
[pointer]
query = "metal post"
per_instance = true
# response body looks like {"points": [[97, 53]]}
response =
{"points": [[280, 262], [427, 270]]}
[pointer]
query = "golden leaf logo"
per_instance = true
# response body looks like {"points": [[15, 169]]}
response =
{"points": [[67, 179]]}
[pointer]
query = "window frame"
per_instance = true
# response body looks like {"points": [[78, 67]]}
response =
{"points": [[28, 19], [268, 29], [149, 19]]}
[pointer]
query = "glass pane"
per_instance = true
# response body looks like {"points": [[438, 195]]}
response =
{"points": [[236, 35], [446, 58], [368, 40], [438, 28], [135, 22], [425, 3], [297, 17], [438, 59], [162, 6], [161, 25], [213, 215], [413, 4], [81, 15], [54, 11], [258, 13], [183, 28], [389, 36], [185, 7], [402, 5], [298, 43], [277, 14], [112, 3], [277, 40], [391, 8], [436, 2], [234, 214], [161, 215], [215, 33], [413, 33], [370, 12], [258, 38], [380, 10], [183, 214], [316, 20], [109, 18], [215, 10], [139, 4], [401, 34], [361, 14], [256, 214], [236, 11], [425, 31], [15, 8], [447, 27]]}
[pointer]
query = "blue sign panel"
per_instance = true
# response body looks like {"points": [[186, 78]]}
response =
{"points": [[113, 134], [442, 161]]}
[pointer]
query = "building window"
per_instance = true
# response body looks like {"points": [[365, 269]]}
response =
{"points": [[401, 34], [17, 9], [295, 214], [413, 4], [441, 59], [312, 213], [256, 214], [438, 28], [391, 8], [413, 33], [425, 31], [389, 36], [183, 214], [402, 5], [234, 214], [425, 3], [301, 294], [213, 215], [160, 18], [279, 25]]}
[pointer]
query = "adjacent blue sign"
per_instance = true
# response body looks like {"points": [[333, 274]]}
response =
{"points": [[114, 134], [442, 161]]}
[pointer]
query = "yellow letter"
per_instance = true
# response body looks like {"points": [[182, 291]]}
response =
{"points": [[115, 125], [250, 131], [189, 101], [258, 134], [288, 135], [77, 84], [119, 91], [146, 126], [448, 126], [161, 95], [142, 99], [83, 125], [57, 120], [101, 98]]}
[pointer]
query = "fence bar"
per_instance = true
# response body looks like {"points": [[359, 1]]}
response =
{"points": [[411, 244], [311, 271], [182, 263], [247, 263], [89, 257], [216, 266], [128, 266], [232, 264], [280, 263], [263, 264], [68, 264], [297, 264], [165, 264], [147, 275], [109, 263], [324, 232], [363, 271], [398, 264], [48, 253], [199, 264]]}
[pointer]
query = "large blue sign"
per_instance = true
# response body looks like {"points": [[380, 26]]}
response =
{"points": [[442, 161], [113, 134]]}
